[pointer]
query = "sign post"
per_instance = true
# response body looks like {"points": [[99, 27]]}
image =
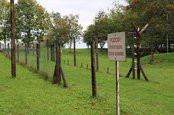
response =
{"points": [[117, 52]]}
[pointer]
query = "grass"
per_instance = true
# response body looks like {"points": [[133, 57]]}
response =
{"points": [[28, 94]]}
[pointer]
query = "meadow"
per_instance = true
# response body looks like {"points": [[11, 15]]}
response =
{"points": [[29, 93]]}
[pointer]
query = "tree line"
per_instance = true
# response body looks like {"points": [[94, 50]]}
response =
{"points": [[35, 25], [159, 14]]}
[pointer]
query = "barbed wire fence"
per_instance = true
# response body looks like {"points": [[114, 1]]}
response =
{"points": [[41, 58]]}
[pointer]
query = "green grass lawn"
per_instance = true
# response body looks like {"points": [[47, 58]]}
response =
{"points": [[29, 94]]}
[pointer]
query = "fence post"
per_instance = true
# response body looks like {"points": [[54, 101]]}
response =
{"points": [[18, 52], [8, 52], [47, 50], [107, 70], [37, 56], [86, 66], [68, 62], [33, 49], [52, 53], [81, 66]]}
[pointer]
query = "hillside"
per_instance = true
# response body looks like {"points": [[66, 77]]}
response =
{"points": [[160, 58], [29, 94]]}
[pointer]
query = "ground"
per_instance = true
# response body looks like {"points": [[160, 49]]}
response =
{"points": [[29, 93]]}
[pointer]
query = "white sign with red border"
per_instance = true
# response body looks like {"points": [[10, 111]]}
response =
{"points": [[116, 46]]}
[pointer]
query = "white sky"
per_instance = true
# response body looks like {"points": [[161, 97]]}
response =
{"points": [[86, 9]]}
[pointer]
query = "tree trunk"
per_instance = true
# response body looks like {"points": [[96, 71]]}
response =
{"points": [[57, 70], [18, 52], [52, 53], [133, 63], [101, 46], [39, 49], [51, 56], [70, 45], [96, 47], [48, 51], [75, 52], [37, 57], [33, 48], [8, 48], [5, 44], [94, 92], [26, 53]]}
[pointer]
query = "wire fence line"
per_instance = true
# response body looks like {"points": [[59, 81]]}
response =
{"points": [[47, 59]]}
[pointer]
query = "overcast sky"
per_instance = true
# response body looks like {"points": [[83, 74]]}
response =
{"points": [[86, 9]]}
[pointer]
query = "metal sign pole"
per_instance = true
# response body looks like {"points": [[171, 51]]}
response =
{"points": [[117, 52], [117, 89]]}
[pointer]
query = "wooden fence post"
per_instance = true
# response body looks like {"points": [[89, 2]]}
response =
{"points": [[13, 38], [8, 51], [86, 66], [18, 52], [81, 66], [107, 70], [93, 74], [68, 62], [37, 57]]}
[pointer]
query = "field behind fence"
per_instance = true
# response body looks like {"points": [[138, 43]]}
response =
{"points": [[47, 60]]}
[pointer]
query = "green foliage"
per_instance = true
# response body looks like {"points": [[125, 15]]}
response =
{"points": [[101, 27], [75, 30], [98, 30], [64, 29], [4, 19], [89, 34], [157, 13], [25, 19], [32, 21], [60, 28], [43, 22]]}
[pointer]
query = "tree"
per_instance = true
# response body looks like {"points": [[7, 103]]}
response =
{"points": [[74, 32], [89, 39], [153, 12], [25, 21], [42, 23], [58, 34], [89, 34], [32, 22], [101, 31], [157, 14], [4, 21], [101, 23]]}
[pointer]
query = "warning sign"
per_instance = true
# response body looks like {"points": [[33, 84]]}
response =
{"points": [[116, 46]]}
